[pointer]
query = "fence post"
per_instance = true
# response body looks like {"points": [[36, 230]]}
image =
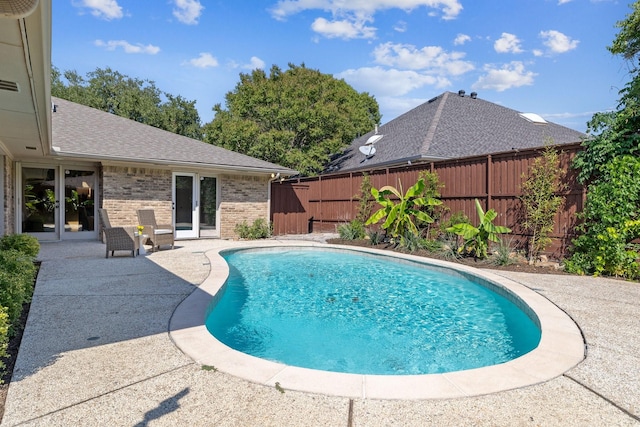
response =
{"points": [[320, 202], [489, 181]]}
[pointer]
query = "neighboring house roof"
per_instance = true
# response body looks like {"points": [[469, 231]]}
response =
{"points": [[83, 132], [452, 126]]}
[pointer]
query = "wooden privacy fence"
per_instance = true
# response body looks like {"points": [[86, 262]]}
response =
{"points": [[319, 204]]}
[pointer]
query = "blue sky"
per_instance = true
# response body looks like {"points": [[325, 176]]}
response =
{"points": [[543, 56]]}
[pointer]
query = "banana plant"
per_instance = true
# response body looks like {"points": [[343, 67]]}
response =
{"points": [[404, 214], [476, 239]]}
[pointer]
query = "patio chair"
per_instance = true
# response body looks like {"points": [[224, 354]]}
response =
{"points": [[118, 238], [158, 234]]}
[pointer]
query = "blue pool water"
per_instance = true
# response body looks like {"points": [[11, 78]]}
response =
{"points": [[344, 311]]}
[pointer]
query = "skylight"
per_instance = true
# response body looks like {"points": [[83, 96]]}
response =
{"points": [[534, 118]]}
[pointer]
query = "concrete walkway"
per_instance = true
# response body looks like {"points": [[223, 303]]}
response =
{"points": [[96, 352]]}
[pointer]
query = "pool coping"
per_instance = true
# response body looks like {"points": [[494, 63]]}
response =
{"points": [[561, 344]]}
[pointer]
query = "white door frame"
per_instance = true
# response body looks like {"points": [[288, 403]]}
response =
{"points": [[180, 231], [59, 232], [67, 234], [210, 232]]}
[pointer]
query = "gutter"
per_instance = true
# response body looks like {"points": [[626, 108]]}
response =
{"points": [[223, 167], [406, 161]]}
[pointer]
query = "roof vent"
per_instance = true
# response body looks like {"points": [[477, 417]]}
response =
{"points": [[432, 99], [10, 86], [474, 95], [533, 118], [461, 92]]}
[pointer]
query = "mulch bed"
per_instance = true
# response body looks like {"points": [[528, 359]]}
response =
{"points": [[518, 265]]}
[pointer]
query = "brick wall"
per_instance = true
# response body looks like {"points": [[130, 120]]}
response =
{"points": [[127, 189], [243, 198]]}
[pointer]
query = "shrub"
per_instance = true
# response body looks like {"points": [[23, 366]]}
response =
{"points": [[611, 223], [352, 230], [260, 229], [375, 237], [412, 242], [4, 337], [24, 243], [503, 253], [17, 273], [433, 245]]}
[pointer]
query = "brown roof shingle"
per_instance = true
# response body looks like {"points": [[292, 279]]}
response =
{"points": [[84, 132], [452, 126]]}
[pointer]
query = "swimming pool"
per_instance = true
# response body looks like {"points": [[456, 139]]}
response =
{"points": [[560, 348], [343, 311]]}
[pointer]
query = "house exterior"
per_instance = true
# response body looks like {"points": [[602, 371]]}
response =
{"points": [[448, 126], [61, 161]]}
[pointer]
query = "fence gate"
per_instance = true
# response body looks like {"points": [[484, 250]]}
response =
{"points": [[289, 204]]}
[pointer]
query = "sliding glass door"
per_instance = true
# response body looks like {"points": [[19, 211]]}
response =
{"points": [[58, 202], [40, 204], [209, 207], [195, 206], [185, 205], [79, 217]]}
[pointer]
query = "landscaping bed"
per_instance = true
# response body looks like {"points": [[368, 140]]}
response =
{"points": [[518, 264]]}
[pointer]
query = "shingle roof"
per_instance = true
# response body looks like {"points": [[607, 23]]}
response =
{"points": [[452, 126], [85, 132]]}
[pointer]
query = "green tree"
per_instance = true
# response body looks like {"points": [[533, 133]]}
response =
{"points": [[296, 118], [133, 98], [616, 133], [365, 205], [540, 200], [609, 166]]}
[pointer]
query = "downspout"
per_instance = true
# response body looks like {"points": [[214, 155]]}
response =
{"points": [[34, 97]]}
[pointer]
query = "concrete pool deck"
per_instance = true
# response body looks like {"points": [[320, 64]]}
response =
{"points": [[561, 346], [97, 351]]}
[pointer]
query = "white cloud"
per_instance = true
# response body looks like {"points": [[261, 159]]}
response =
{"points": [[563, 1], [205, 60], [507, 43], [401, 27], [537, 52], [430, 58], [449, 8], [128, 47], [461, 39], [105, 9], [343, 29], [558, 42], [254, 63], [392, 107], [392, 82], [506, 77], [188, 11], [349, 18]]}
